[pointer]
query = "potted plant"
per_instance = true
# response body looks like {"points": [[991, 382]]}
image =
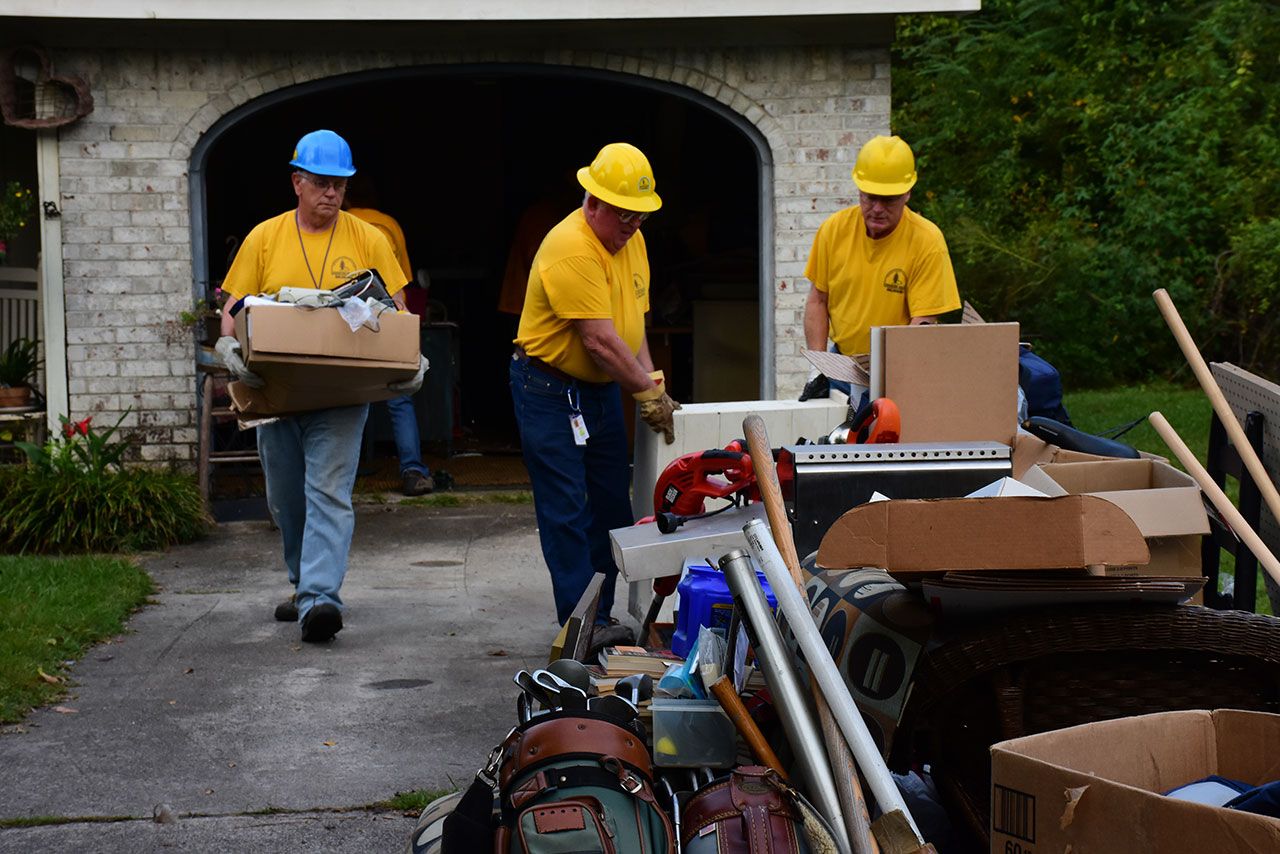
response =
{"points": [[18, 364]]}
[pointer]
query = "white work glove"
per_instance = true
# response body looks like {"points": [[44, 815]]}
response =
{"points": [[228, 350], [411, 385]]}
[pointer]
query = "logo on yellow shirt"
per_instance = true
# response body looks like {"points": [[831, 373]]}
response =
{"points": [[342, 268], [637, 283], [896, 281]]}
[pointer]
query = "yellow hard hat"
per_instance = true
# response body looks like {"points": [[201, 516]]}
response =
{"points": [[621, 176], [885, 167]]}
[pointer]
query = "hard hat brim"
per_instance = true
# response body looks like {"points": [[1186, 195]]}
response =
{"points": [[331, 172], [640, 204], [876, 188]]}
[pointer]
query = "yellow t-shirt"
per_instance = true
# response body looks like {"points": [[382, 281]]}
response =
{"points": [[271, 257], [881, 282], [387, 224], [575, 278]]}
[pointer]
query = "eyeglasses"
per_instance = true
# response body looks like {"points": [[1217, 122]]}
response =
{"points": [[885, 201], [628, 217], [323, 183]]}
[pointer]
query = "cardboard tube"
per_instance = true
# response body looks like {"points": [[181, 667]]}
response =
{"points": [[1239, 441], [722, 689], [1219, 498], [853, 804], [827, 675]]}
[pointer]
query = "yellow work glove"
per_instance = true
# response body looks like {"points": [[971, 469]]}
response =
{"points": [[656, 407]]}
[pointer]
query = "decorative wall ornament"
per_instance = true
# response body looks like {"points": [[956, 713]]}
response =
{"points": [[49, 101]]}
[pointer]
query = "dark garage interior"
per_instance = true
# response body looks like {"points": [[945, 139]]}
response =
{"points": [[458, 155]]}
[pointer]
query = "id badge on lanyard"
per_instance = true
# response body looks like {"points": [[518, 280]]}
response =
{"points": [[576, 422]]}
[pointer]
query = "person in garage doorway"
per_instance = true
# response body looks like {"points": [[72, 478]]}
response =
{"points": [[875, 264], [310, 459], [415, 476], [580, 344]]}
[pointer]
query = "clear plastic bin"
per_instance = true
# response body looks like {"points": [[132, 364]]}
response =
{"points": [[692, 734]]}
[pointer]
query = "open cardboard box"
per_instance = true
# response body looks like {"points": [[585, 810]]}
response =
{"points": [[914, 536], [1098, 787], [310, 359], [1164, 502]]}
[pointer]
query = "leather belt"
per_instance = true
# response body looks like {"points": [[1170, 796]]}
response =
{"points": [[520, 355]]}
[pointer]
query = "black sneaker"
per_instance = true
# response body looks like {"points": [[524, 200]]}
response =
{"points": [[287, 611], [415, 483], [321, 623]]}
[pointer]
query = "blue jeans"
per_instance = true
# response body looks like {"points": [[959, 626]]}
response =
{"points": [[404, 426], [580, 492], [310, 465]]}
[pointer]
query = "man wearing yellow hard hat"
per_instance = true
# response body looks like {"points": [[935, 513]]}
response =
{"points": [[580, 345], [878, 263]]}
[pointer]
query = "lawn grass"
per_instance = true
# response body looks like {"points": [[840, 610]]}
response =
{"points": [[51, 610], [1188, 411]]}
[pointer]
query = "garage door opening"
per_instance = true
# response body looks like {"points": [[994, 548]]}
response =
{"points": [[460, 157]]}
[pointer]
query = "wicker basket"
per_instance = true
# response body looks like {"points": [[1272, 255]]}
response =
{"points": [[1062, 667]]}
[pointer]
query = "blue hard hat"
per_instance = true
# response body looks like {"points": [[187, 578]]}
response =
{"points": [[323, 152]]}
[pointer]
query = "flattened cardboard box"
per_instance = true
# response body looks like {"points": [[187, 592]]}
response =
{"points": [[1097, 787], [952, 382], [310, 359], [1164, 502], [934, 535]]}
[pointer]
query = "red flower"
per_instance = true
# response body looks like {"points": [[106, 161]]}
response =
{"points": [[68, 429], [82, 427]]}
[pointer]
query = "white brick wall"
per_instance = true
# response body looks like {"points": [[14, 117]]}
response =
{"points": [[126, 217]]}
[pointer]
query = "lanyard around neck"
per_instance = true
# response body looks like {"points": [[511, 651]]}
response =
{"points": [[324, 263]]}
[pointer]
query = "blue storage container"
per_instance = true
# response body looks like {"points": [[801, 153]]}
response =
{"points": [[705, 600]]}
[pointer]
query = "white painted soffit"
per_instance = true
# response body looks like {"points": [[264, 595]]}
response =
{"points": [[474, 10]]}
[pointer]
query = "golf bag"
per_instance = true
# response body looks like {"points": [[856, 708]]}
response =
{"points": [[752, 811], [566, 781]]}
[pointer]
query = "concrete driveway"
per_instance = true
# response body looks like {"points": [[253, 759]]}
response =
{"points": [[209, 706]]}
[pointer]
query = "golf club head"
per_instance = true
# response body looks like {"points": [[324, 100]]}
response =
{"points": [[614, 706], [636, 688], [572, 671], [524, 679], [572, 698]]}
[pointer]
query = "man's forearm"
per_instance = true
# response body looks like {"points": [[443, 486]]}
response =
{"points": [[615, 359], [816, 322]]}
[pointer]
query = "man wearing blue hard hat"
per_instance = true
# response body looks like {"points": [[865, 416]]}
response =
{"points": [[310, 459]]}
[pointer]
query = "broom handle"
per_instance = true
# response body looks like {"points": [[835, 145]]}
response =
{"points": [[1219, 498], [1228, 418]]}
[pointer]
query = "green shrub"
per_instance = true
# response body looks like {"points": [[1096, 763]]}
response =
{"points": [[1079, 154], [75, 496]]}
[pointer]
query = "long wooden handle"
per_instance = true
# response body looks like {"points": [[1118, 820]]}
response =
{"points": [[1219, 498], [853, 803], [1228, 418], [722, 689]]}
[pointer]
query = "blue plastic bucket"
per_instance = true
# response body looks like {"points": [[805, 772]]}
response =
{"points": [[705, 600]]}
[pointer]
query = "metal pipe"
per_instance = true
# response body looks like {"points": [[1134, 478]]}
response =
{"points": [[793, 708], [824, 671]]}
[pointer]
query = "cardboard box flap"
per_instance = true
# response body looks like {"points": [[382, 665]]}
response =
{"points": [[951, 382], [931, 535], [1163, 501]]}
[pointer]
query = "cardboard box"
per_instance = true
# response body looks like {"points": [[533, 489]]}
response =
{"points": [[951, 383], [1098, 787], [936, 535], [310, 359], [1164, 502]]}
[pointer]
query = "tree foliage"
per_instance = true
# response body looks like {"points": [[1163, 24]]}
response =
{"points": [[1079, 154]]}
